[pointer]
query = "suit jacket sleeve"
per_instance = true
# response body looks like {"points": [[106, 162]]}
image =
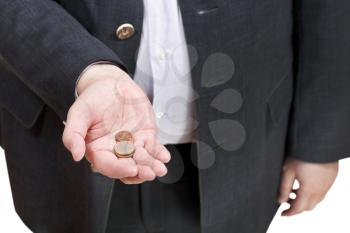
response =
{"points": [[320, 127], [48, 49]]}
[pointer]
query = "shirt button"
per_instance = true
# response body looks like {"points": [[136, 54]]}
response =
{"points": [[162, 55], [159, 114]]}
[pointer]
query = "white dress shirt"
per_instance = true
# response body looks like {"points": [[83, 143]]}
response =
{"points": [[163, 71]]}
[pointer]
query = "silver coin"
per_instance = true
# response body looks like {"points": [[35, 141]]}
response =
{"points": [[124, 149]]}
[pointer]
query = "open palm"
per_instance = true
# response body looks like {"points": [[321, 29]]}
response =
{"points": [[105, 107]]}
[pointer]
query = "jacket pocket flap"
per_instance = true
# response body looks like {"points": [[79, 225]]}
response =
{"points": [[281, 97], [18, 99]]}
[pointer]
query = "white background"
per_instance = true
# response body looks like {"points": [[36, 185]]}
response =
{"points": [[331, 215]]}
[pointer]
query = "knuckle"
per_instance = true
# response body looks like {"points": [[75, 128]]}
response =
{"points": [[152, 147], [284, 168], [140, 157]]}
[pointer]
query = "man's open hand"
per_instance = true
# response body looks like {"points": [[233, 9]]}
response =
{"points": [[315, 179], [110, 101]]}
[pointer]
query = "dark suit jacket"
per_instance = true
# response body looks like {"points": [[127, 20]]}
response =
{"points": [[291, 69]]}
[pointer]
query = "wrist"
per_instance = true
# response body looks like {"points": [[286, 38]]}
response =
{"points": [[99, 72]]}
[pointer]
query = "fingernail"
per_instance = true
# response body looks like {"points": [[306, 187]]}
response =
{"points": [[166, 158], [75, 151], [162, 171]]}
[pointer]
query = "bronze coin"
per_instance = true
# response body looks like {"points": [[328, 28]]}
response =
{"points": [[123, 136], [124, 149]]}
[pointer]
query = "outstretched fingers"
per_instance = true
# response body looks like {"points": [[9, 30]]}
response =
{"points": [[150, 142]]}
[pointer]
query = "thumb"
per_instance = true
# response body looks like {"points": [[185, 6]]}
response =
{"points": [[287, 181], [77, 125]]}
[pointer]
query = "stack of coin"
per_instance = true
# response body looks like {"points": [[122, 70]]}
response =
{"points": [[124, 147], [124, 136]]}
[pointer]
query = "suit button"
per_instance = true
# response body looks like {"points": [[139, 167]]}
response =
{"points": [[125, 31]]}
